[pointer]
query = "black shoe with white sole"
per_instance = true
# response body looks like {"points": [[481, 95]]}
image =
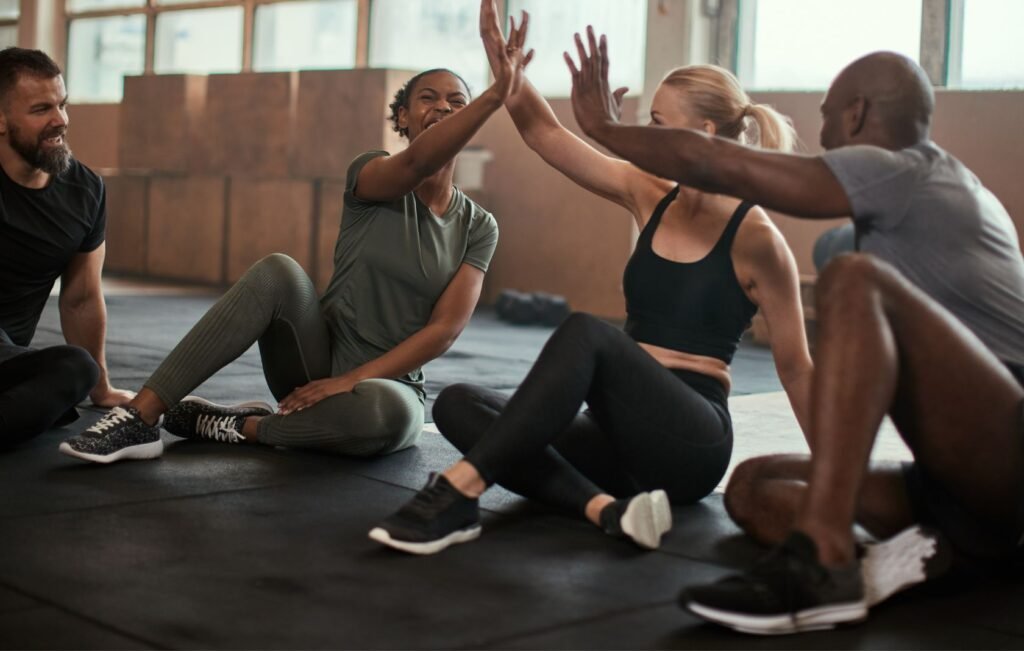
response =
{"points": [[195, 418], [121, 434], [438, 516], [643, 518], [788, 591], [913, 556]]}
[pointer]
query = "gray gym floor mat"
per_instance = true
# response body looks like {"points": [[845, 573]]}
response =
{"points": [[232, 546]]}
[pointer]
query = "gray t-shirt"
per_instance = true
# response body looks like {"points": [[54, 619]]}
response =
{"points": [[922, 211], [392, 262]]}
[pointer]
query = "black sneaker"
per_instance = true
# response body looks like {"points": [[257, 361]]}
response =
{"points": [[195, 418], [121, 434], [438, 516], [643, 518], [913, 556], [788, 591]]}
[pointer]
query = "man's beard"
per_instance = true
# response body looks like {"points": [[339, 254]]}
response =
{"points": [[52, 160]]}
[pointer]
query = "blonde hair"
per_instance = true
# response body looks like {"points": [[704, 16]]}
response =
{"points": [[716, 95]]}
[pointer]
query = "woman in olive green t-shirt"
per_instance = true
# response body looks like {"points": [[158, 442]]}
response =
{"points": [[409, 266]]}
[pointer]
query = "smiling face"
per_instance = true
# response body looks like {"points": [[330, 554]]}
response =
{"points": [[434, 97], [35, 123]]}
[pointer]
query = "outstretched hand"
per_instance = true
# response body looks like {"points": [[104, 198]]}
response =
{"points": [[507, 58], [593, 101]]}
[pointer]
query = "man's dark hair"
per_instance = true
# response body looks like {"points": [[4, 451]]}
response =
{"points": [[404, 96], [18, 61]]}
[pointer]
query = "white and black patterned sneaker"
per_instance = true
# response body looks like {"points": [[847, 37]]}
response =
{"points": [[787, 591], [438, 516], [195, 418], [643, 518], [121, 434], [913, 556]]}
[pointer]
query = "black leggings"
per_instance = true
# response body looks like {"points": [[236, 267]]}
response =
{"points": [[40, 388], [646, 427]]}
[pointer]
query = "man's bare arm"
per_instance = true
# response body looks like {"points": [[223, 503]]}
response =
{"points": [[802, 186]]}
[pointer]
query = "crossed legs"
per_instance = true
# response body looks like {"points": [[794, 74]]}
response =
{"points": [[884, 347]]}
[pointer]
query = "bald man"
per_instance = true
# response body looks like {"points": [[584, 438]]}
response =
{"points": [[925, 325]]}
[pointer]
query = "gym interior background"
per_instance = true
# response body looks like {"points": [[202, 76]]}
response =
{"points": [[223, 128]]}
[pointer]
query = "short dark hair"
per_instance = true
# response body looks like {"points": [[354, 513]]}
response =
{"points": [[18, 61], [404, 94]]}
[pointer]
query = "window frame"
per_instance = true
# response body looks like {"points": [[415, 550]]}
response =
{"points": [[153, 9], [14, 22], [941, 54]]}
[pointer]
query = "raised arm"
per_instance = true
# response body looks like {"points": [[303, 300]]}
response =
{"points": [[604, 175], [802, 186], [390, 177]]}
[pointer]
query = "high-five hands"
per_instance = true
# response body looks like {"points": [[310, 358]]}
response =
{"points": [[507, 58], [593, 101]]}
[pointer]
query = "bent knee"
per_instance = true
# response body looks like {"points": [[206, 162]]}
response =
{"points": [[393, 416], [854, 270], [585, 329], [452, 402]]}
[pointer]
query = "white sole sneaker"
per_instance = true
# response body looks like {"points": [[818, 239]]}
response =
{"points": [[812, 619], [647, 517], [425, 548], [137, 452], [912, 556]]}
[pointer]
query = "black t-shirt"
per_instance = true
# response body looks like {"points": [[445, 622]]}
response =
{"points": [[40, 231]]}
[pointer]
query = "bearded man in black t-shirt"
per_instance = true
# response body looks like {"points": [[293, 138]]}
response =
{"points": [[52, 219]]}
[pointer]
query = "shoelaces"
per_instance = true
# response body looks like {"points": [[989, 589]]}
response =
{"points": [[116, 416], [223, 428]]}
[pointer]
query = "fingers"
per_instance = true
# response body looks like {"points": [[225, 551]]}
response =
{"points": [[603, 56], [620, 93], [528, 58], [572, 66], [305, 396], [524, 25], [584, 59]]}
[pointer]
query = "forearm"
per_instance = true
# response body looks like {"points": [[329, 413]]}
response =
{"points": [[425, 345], [437, 146], [682, 155], [798, 390], [532, 115], [84, 324]]}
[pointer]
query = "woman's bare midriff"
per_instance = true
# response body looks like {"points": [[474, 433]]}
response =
{"points": [[675, 359]]}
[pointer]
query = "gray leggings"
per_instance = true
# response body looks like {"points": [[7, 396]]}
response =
{"points": [[275, 304]]}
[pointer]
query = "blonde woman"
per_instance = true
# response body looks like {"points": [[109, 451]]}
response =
{"points": [[657, 425]]}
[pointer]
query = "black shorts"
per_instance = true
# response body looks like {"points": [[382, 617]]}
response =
{"points": [[933, 505]]}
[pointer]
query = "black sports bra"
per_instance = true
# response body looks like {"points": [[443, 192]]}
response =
{"points": [[692, 307]]}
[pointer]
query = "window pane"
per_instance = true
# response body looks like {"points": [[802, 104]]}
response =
{"points": [[424, 34], [805, 43], [8, 36], [199, 41], [993, 50], [100, 52], [9, 8], [86, 5], [552, 25], [304, 35]]}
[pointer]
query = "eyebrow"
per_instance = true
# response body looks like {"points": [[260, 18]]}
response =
{"points": [[454, 92], [39, 105]]}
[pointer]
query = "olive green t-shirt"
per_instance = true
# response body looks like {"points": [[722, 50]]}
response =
{"points": [[392, 261]]}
